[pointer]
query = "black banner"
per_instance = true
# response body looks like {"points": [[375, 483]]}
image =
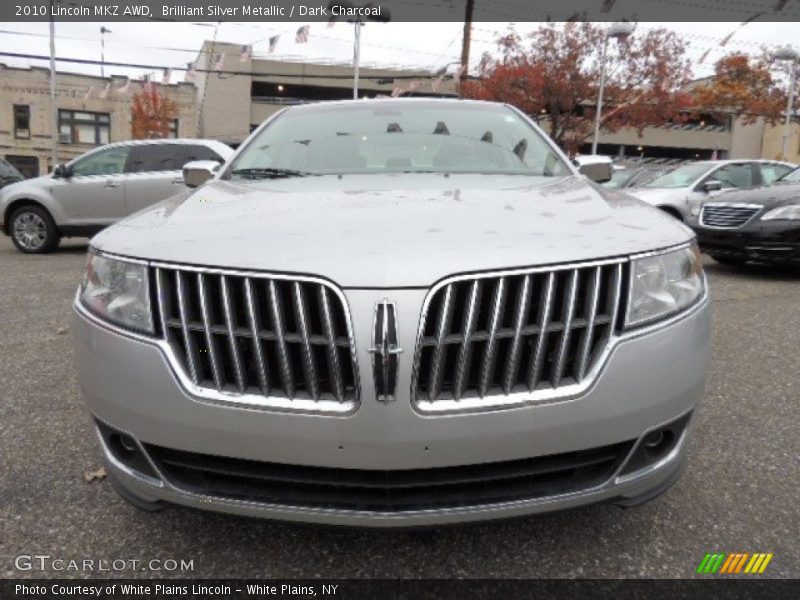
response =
{"points": [[307, 11], [417, 589]]}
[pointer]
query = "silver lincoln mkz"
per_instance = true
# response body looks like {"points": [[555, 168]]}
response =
{"points": [[393, 312]]}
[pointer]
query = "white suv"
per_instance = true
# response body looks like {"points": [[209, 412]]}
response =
{"points": [[97, 189]]}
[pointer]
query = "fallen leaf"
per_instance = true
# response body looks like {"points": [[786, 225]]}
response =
{"points": [[97, 475]]}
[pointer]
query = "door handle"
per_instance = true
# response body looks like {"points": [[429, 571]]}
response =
{"points": [[178, 181], [111, 184]]}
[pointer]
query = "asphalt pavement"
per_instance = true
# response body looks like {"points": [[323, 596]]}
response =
{"points": [[739, 493]]}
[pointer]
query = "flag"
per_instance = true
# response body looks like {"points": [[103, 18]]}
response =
{"points": [[273, 42], [147, 86], [218, 61], [123, 89], [191, 74], [247, 53], [105, 91], [167, 76], [301, 37]]}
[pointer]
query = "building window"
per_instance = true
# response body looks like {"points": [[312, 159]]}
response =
{"points": [[173, 129], [22, 121], [76, 127]]}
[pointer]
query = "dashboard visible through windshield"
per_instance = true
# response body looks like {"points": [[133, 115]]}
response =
{"points": [[398, 137]]}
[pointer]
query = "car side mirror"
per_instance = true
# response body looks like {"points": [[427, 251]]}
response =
{"points": [[197, 172], [712, 185], [62, 171], [598, 172]]}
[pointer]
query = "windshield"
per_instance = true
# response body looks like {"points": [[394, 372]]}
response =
{"points": [[681, 177], [397, 137], [792, 175]]}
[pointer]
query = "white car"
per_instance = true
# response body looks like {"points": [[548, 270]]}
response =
{"points": [[97, 189], [681, 191]]}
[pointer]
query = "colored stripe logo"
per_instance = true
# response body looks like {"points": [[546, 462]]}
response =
{"points": [[734, 563]]}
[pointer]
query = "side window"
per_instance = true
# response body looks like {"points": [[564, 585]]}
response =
{"points": [[734, 176], [105, 162], [148, 158], [194, 152], [773, 171]]}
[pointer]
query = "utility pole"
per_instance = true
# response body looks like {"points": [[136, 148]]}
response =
{"points": [[53, 104], [465, 42]]}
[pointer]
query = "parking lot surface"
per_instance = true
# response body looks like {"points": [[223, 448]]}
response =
{"points": [[739, 493]]}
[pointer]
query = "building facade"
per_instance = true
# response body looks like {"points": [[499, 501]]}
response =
{"points": [[246, 90], [91, 111]]}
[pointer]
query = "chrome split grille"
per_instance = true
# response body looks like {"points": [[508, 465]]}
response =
{"points": [[252, 335], [499, 335], [727, 216]]}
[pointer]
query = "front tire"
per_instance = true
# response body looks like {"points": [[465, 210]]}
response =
{"points": [[33, 231]]}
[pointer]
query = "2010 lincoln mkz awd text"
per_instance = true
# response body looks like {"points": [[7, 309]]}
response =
{"points": [[390, 313]]}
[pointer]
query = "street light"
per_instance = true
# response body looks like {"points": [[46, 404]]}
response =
{"points": [[357, 23], [790, 54], [620, 31], [103, 31]]}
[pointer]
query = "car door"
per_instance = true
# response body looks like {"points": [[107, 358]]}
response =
{"points": [[94, 193], [732, 176], [154, 174]]}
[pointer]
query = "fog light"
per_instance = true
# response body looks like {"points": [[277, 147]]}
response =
{"points": [[656, 444], [124, 449]]}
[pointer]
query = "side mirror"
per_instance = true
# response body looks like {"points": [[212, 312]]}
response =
{"points": [[197, 172], [62, 172], [712, 185], [599, 172]]}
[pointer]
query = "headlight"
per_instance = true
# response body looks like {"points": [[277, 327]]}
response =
{"points": [[117, 291], [788, 213], [663, 285]]}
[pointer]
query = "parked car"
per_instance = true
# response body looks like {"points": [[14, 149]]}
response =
{"points": [[97, 189], [635, 176], [8, 174], [760, 224], [393, 312], [684, 188]]}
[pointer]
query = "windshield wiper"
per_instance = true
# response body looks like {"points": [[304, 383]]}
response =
{"points": [[268, 173]]}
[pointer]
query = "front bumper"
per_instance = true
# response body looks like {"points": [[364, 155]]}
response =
{"points": [[758, 241], [647, 381]]}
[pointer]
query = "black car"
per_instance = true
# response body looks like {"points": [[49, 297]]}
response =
{"points": [[8, 174], [758, 224]]}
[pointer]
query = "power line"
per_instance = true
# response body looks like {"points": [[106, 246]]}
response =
{"points": [[150, 67]]}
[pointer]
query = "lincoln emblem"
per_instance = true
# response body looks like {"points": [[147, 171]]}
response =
{"points": [[385, 351]]}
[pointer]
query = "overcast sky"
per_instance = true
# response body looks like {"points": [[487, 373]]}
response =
{"points": [[429, 45]]}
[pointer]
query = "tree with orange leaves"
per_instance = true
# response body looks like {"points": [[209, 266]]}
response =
{"points": [[745, 86], [554, 74], [152, 114]]}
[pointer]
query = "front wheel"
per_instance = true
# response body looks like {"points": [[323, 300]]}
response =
{"points": [[33, 230]]}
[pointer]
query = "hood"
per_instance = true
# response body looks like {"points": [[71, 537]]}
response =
{"points": [[398, 230], [769, 196], [26, 185], [656, 196]]}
